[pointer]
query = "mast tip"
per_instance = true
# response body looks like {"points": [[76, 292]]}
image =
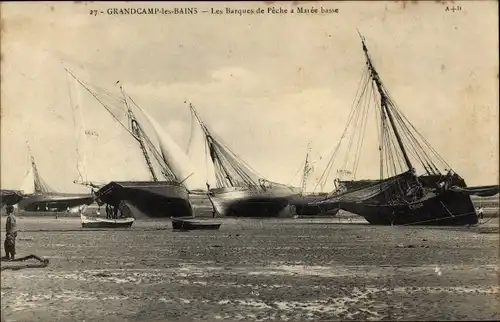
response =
{"points": [[360, 35]]}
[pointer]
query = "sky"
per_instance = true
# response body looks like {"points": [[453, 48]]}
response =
{"points": [[267, 84]]}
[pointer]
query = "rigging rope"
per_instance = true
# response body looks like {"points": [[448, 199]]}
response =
{"points": [[191, 134], [157, 155], [230, 170], [101, 102], [298, 170], [439, 219], [165, 168], [326, 173], [390, 151], [77, 134], [407, 123], [362, 136]]}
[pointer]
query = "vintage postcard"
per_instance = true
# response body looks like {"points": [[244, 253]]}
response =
{"points": [[249, 161]]}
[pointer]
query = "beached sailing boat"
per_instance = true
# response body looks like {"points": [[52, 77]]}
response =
{"points": [[165, 194], [401, 196], [239, 190], [39, 196]]}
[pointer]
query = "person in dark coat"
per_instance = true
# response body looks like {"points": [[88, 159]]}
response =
{"points": [[108, 211], [115, 211], [11, 234]]}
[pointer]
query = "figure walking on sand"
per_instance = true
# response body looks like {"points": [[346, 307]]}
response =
{"points": [[11, 234]]}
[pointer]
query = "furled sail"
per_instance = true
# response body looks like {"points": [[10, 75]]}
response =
{"points": [[33, 182], [174, 157]]}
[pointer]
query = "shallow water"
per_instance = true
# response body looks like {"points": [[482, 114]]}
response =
{"points": [[256, 270]]}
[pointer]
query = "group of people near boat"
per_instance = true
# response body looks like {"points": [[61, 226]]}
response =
{"points": [[111, 212]]}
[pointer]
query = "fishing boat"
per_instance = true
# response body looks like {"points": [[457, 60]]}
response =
{"points": [[39, 196], [160, 199], [164, 194], [401, 196], [239, 190], [191, 223], [96, 222]]}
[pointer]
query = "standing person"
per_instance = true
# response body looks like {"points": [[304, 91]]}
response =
{"points": [[11, 234], [115, 211], [479, 211]]}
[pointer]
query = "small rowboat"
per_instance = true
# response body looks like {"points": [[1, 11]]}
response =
{"points": [[189, 223], [96, 222]]}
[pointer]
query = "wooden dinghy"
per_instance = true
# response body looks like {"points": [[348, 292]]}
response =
{"points": [[96, 222], [190, 223]]}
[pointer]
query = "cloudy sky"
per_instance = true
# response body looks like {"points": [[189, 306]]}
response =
{"points": [[267, 84]]}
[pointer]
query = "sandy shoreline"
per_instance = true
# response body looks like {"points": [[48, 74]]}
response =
{"points": [[254, 270]]}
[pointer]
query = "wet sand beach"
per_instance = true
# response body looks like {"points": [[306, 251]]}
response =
{"points": [[253, 270]]}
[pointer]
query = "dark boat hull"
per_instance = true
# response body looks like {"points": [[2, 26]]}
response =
{"points": [[438, 210], [378, 204], [192, 224], [153, 199], [304, 206], [54, 201], [243, 202]]}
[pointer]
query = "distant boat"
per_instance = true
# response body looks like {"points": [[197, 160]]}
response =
{"points": [[240, 191], [302, 203], [190, 223], [10, 197], [96, 222], [165, 194], [40, 197]]}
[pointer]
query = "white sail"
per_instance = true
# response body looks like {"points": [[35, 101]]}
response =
{"points": [[199, 155], [175, 158], [79, 122], [28, 185]]}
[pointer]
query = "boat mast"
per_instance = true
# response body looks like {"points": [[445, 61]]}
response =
{"points": [[306, 169], [383, 101], [136, 133]]}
